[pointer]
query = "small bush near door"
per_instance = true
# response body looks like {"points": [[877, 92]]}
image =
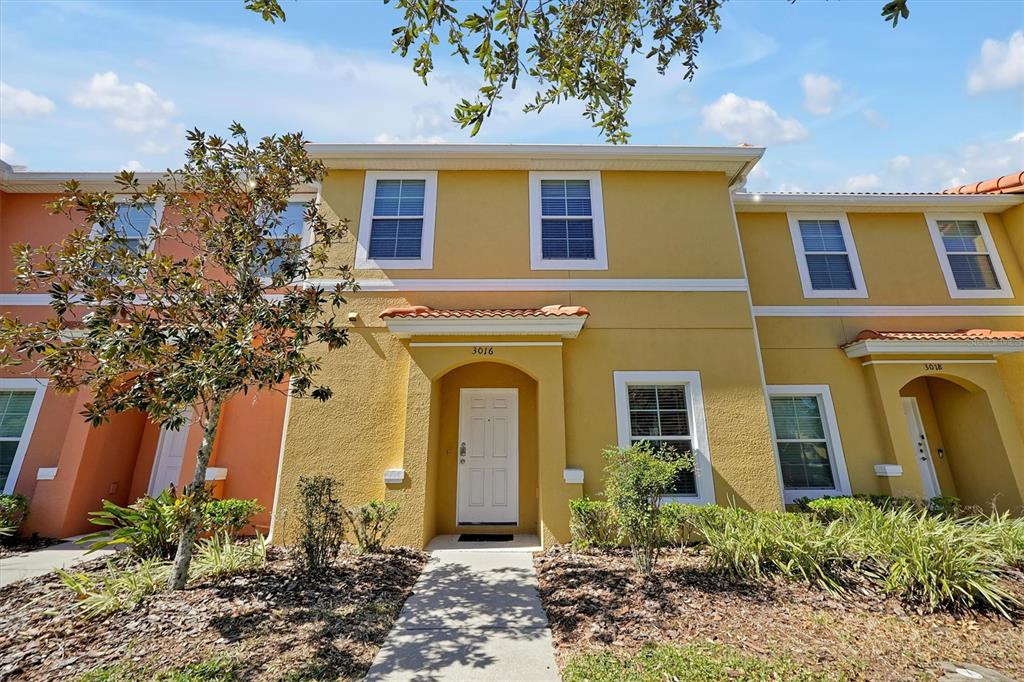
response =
{"points": [[593, 525], [13, 512], [371, 524], [322, 519], [229, 516]]}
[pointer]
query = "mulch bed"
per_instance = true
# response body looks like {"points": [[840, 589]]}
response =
{"points": [[597, 600], [275, 622], [14, 546]]}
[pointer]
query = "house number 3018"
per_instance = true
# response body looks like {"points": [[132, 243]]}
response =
{"points": [[932, 366], [483, 350]]}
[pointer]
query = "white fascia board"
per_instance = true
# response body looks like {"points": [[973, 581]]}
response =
{"points": [[546, 284], [751, 202], [566, 327], [889, 311], [893, 347]]}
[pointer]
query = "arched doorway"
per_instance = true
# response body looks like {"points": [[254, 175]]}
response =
{"points": [[487, 454], [957, 444]]}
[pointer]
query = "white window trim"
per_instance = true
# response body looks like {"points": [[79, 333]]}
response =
{"points": [[39, 386], [1003, 291], [860, 289], [537, 260], [835, 441], [426, 259], [698, 425]]}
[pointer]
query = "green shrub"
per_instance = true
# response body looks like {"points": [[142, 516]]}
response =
{"points": [[636, 480], [944, 505], [677, 524], [229, 516], [371, 524], [13, 512], [322, 530], [221, 555], [827, 509], [593, 525], [119, 589], [148, 528], [753, 544], [1008, 537]]}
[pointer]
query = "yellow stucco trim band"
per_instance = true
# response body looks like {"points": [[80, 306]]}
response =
{"points": [[929, 361]]}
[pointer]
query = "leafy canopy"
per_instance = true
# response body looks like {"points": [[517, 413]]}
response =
{"points": [[571, 49], [209, 303]]}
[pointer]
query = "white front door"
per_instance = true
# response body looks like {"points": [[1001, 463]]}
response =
{"points": [[488, 452], [170, 453], [922, 450]]}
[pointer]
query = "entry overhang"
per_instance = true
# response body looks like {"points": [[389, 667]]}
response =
{"points": [[960, 342], [554, 320]]}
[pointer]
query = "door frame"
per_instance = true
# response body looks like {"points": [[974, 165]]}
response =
{"points": [[925, 467], [464, 393], [164, 433]]}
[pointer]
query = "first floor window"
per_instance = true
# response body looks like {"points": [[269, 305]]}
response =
{"points": [[658, 415], [666, 410], [810, 454], [15, 407]]}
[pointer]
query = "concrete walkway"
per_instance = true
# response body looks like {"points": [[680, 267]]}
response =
{"points": [[40, 561], [474, 615]]}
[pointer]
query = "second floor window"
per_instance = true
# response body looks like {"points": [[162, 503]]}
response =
{"points": [[396, 227], [567, 219], [968, 257], [134, 225], [826, 257], [290, 225]]}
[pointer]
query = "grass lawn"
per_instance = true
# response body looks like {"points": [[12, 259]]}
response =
{"points": [[272, 624], [691, 622]]}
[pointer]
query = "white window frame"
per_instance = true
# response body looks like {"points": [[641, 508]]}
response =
{"points": [[1003, 291], [154, 223], [860, 289], [426, 259], [840, 476], [537, 260], [39, 386], [698, 425]]}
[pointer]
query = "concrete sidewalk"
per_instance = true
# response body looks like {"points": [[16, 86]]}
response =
{"points": [[474, 615], [40, 561]]}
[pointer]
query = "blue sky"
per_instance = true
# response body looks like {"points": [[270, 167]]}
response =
{"points": [[842, 100]]}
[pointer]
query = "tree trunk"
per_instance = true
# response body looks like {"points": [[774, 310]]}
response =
{"points": [[187, 542]]}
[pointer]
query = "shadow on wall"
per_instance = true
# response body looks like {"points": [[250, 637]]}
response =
{"points": [[460, 620]]}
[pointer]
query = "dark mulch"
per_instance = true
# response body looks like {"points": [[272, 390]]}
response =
{"points": [[597, 601], [274, 623], [17, 545]]}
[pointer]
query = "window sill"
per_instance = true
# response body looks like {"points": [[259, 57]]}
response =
{"points": [[791, 496], [569, 264]]}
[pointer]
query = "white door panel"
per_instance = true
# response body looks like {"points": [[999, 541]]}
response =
{"points": [[170, 454], [488, 453], [922, 450]]}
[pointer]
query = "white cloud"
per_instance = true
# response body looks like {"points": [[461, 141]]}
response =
{"points": [[8, 154], [875, 119], [739, 119], [1000, 67], [16, 102], [863, 183], [151, 147], [136, 107], [1019, 137], [900, 162], [820, 93], [133, 165]]}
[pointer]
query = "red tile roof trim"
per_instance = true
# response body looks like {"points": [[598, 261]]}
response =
{"points": [[425, 312], [1007, 184], [958, 335]]}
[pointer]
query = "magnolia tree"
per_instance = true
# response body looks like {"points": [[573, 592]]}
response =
{"points": [[173, 317]]}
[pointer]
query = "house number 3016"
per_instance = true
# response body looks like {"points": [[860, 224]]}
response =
{"points": [[483, 350], [932, 366]]}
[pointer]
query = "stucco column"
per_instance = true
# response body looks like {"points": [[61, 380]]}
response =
{"points": [[1009, 433], [902, 451], [554, 492], [413, 495]]}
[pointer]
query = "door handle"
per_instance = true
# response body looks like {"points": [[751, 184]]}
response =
{"points": [[462, 452]]}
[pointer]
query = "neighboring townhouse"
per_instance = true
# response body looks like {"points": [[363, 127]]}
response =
{"points": [[65, 466], [522, 307]]}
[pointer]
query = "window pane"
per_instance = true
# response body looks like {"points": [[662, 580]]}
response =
{"points": [[658, 410], [396, 238], [830, 272], [797, 417], [399, 198], [822, 235], [14, 408], [962, 236], [7, 450], [567, 239], [133, 221], [643, 397], [973, 271], [565, 198], [805, 465], [290, 221]]}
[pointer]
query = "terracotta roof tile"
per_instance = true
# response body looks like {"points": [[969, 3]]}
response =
{"points": [[422, 311], [958, 335], [1007, 184]]}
